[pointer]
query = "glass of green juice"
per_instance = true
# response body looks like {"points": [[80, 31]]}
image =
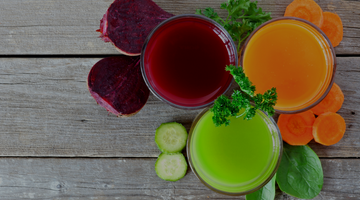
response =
{"points": [[237, 159]]}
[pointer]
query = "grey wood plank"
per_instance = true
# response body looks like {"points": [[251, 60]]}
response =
{"points": [[32, 27], [125, 178], [46, 110]]}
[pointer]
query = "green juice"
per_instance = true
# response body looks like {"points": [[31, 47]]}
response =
{"points": [[237, 158]]}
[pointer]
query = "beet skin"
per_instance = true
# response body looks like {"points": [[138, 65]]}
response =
{"points": [[116, 84], [128, 22]]}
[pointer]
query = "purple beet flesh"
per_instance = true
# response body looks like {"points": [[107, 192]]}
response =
{"points": [[128, 22], [116, 84]]}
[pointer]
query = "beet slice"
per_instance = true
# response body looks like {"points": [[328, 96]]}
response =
{"points": [[116, 84], [128, 22]]}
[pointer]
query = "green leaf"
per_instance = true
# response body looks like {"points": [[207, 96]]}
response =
{"points": [[300, 173], [256, 15], [198, 12], [265, 101], [235, 7], [265, 193], [224, 107], [243, 17], [210, 13], [241, 79]]}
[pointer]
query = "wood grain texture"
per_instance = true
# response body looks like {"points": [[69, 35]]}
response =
{"points": [[101, 179], [46, 110], [33, 27]]}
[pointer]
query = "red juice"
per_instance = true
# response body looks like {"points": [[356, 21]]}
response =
{"points": [[185, 61]]}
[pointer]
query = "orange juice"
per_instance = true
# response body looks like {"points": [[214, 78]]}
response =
{"points": [[292, 56]]}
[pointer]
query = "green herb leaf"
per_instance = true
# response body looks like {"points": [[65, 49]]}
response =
{"points": [[265, 193], [241, 100], [300, 173], [210, 13], [240, 78], [266, 101], [235, 8], [223, 108], [243, 17], [198, 12]]}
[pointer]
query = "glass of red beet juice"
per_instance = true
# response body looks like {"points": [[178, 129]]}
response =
{"points": [[183, 61]]}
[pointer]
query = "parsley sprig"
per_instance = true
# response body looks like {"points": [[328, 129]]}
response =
{"points": [[224, 107], [243, 17]]}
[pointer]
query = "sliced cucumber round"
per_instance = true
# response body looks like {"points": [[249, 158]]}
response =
{"points": [[171, 167], [171, 137]]}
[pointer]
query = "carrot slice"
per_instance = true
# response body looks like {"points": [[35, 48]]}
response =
{"points": [[329, 128], [331, 103], [333, 28], [296, 129], [305, 9]]}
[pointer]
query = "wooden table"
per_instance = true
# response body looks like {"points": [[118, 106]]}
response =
{"points": [[57, 143]]}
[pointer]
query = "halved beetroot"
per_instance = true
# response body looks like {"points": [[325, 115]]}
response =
{"points": [[128, 22], [117, 85]]}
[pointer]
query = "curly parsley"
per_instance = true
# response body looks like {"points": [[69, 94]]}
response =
{"points": [[243, 17], [224, 107]]}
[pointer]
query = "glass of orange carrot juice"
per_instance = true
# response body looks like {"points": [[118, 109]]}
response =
{"points": [[294, 56]]}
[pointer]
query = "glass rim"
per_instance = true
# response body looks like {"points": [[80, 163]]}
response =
{"points": [[332, 50], [195, 122], [143, 51]]}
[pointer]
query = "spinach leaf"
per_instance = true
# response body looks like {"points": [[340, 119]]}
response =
{"points": [[265, 193], [300, 173]]}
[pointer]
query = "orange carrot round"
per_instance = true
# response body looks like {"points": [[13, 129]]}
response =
{"points": [[296, 129], [331, 103], [305, 9], [333, 28], [329, 128]]}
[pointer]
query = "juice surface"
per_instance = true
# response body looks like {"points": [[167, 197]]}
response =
{"points": [[289, 57], [186, 62], [231, 156]]}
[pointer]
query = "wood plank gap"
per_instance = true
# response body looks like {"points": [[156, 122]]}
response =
{"points": [[348, 55], [60, 56], [76, 158], [100, 55], [132, 158], [338, 158]]}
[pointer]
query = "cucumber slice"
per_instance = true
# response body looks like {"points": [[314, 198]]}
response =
{"points": [[171, 167], [171, 137]]}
